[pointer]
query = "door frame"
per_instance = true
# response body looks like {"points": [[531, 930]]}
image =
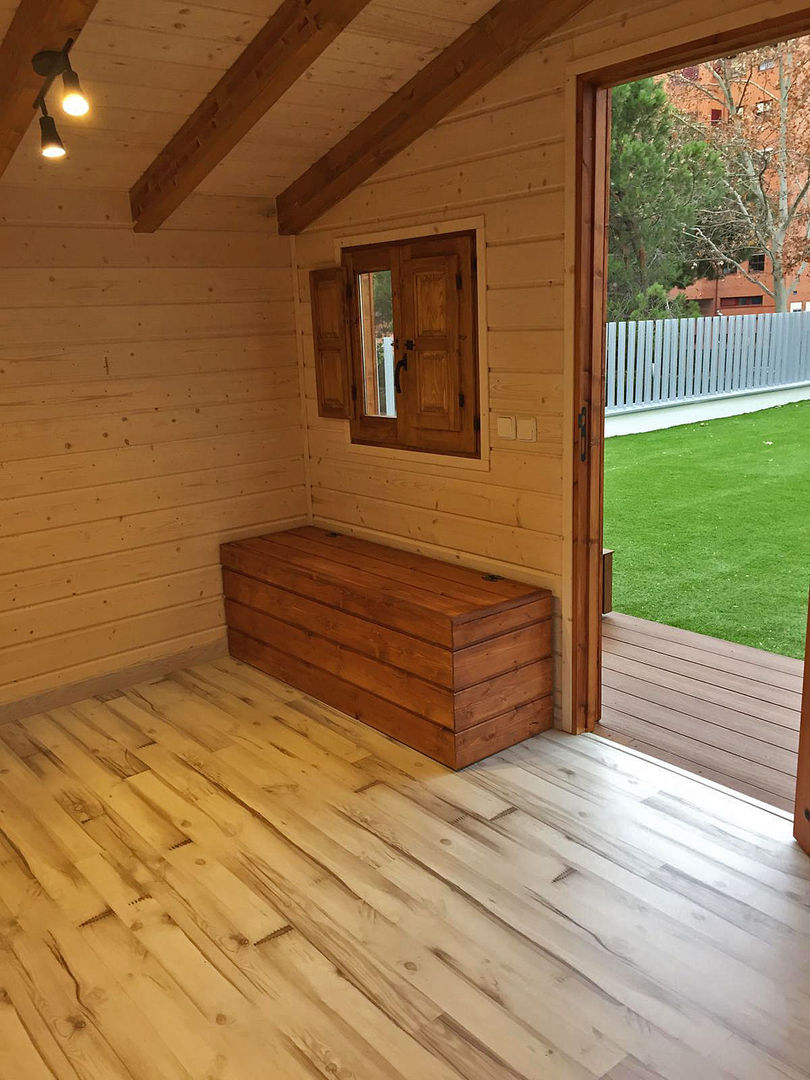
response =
{"points": [[801, 816], [592, 172]]}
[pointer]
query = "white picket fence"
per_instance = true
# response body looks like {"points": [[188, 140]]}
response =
{"points": [[672, 361]]}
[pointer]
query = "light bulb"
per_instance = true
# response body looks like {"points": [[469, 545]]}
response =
{"points": [[52, 145], [75, 105], [74, 102]]}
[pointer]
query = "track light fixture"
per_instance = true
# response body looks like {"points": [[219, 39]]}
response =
{"points": [[50, 64], [52, 145], [73, 100]]}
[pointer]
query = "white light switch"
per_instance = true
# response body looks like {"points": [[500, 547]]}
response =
{"points": [[506, 427], [527, 428]]}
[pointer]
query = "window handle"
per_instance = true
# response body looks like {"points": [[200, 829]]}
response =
{"points": [[402, 365]]}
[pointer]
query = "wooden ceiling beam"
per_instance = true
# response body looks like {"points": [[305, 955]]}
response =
{"points": [[482, 51], [36, 25], [286, 46]]}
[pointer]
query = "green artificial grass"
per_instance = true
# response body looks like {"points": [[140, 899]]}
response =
{"points": [[710, 523]]}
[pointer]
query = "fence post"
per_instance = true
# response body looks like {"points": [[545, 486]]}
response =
{"points": [[630, 386], [649, 331], [610, 366]]}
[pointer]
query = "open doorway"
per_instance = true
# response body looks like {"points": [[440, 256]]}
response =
{"points": [[703, 382]]}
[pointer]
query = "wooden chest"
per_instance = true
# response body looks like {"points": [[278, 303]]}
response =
{"points": [[452, 662]]}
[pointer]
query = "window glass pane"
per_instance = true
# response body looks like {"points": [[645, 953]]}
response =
{"points": [[377, 340]]}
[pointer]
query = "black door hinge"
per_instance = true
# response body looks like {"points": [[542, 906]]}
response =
{"points": [[582, 425], [459, 281], [461, 401]]}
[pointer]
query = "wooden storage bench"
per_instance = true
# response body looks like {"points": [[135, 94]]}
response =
{"points": [[453, 662]]}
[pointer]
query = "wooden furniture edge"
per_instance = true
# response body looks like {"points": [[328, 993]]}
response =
{"points": [[456, 750]]}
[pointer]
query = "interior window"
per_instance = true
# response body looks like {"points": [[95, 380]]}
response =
{"points": [[396, 343]]}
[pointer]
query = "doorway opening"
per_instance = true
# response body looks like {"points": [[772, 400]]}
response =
{"points": [[694, 370]]}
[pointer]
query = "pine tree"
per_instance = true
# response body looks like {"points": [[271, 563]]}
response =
{"points": [[659, 175]]}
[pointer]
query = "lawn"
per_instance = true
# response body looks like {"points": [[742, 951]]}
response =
{"points": [[710, 524]]}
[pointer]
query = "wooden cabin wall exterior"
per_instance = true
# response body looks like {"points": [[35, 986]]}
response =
{"points": [[504, 162], [151, 409]]}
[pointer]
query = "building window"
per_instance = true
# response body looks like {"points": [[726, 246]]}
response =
{"points": [[407, 360], [717, 116], [756, 264], [741, 301], [762, 108], [766, 65]]}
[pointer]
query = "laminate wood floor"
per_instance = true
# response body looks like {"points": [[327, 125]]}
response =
{"points": [[723, 711], [214, 877]]}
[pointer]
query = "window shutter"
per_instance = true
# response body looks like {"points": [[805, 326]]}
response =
{"points": [[438, 340], [330, 329]]}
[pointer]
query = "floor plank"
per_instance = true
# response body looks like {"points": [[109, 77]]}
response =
{"points": [[724, 711], [210, 872]]}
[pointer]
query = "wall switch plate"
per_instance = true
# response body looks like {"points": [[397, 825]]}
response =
{"points": [[507, 427], [527, 428]]}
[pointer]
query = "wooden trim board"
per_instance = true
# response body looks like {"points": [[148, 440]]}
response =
{"points": [[115, 680], [593, 130], [801, 821]]}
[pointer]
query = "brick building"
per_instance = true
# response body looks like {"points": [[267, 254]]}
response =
{"points": [[734, 293]]}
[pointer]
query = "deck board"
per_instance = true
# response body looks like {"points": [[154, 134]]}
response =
{"points": [[725, 711], [213, 875]]}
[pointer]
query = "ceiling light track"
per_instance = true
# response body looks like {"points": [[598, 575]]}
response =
{"points": [[50, 64]]}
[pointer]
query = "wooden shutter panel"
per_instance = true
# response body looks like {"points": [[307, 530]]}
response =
{"points": [[330, 329], [438, 337]]}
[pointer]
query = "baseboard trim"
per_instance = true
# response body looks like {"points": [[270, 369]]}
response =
{"points": [[115, 680]]}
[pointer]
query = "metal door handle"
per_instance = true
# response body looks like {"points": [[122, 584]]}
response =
{"points": [[402, 365]]}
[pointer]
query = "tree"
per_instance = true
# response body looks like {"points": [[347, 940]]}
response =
{"points": [[660, 303], [761, 132], [659, 173]]}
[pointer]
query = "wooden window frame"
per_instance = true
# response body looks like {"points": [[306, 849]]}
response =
{"points": [[368, 430], [591, 180], [371, 430]]}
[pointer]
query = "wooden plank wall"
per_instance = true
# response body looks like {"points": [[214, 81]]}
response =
{"points": [[505, 158], [150, 408]]}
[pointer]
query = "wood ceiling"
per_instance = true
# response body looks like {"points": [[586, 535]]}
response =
{"points": [[148, 65]]}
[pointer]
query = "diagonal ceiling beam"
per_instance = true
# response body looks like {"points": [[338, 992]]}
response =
{"points": [[489, 46], [37, 25], [291, 40]]}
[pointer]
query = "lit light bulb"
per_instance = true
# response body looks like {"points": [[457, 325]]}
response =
{"points": [[75, 105], [52, 145], [74, 102]]}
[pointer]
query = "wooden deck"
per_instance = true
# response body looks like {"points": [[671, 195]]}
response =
{"points": [[725, 711], [214, 876]]}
